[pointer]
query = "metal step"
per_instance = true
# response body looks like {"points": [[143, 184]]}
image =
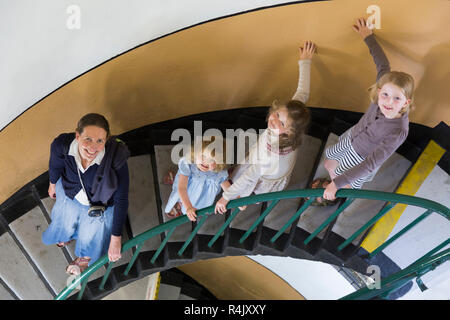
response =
{"points": [[142, 209], [18, 274], [49, 259]]}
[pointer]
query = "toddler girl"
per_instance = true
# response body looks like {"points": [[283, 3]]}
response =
{"points": [[271, 160], [361, 150], [197, 182]]}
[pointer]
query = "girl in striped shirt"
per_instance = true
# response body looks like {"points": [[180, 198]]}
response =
{"points": [[361, 150]]}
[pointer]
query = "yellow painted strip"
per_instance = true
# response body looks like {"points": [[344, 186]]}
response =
{"points": [[417, 175], [158, 282]]}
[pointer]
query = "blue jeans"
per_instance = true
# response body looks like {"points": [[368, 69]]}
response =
{"points": [[70, 221]]}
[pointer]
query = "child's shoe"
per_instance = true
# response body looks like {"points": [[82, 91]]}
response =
{"points": [[319, 201], [175, 212], [169, 177]]}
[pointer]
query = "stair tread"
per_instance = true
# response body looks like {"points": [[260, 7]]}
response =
{"points": [[18, 274], [168, 292], [142, 208], [49, 259], [4, 294]]}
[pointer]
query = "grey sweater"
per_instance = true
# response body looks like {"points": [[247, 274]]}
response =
{"points": [[374, 137]]}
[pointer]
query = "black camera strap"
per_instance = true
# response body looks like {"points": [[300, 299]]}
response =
{"points": [[82, 185], [92, 208]]}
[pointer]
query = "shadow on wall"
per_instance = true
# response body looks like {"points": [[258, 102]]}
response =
{"points": [[429, 90], [337, 94]]}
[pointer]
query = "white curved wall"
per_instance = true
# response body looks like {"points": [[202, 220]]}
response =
{"points": [[39, 53]]}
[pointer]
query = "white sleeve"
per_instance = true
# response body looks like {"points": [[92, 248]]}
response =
{"points": [[245, 184], [302, 93]]}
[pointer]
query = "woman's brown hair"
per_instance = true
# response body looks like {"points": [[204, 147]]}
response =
{"points": [[93, 119]]}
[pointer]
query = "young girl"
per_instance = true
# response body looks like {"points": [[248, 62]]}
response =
{"points": [[197, 182], [271, 160], [382, 129]]}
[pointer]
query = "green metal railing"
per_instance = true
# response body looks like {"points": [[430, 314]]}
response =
{"points": [[414, 271], [391, 200]]}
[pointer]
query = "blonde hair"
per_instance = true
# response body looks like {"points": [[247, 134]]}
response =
{"points": [[402, 80], [218, 157], [299, 116]]}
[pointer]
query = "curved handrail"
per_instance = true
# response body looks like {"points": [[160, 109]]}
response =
{"points": [[398, 279], [349, 194]]}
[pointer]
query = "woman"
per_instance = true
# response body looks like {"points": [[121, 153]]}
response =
{"points": [[89, 178]]}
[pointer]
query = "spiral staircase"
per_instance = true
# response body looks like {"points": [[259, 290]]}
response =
{"points": [[31, 270]]}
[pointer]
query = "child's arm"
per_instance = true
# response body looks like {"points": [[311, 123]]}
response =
{"points": [[306, 54], [182, 191], [380, 59], [245, 183]]}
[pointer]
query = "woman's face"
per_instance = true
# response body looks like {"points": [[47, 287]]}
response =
{"points": [[91, 142], [279, 121]]}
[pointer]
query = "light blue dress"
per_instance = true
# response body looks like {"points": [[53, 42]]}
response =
{"points": [[202, 188]]}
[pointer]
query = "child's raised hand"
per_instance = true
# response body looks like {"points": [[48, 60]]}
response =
{"points": [[307, 51], [190, 212], [362, 28]]}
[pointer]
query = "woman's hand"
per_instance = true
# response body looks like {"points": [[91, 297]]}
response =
{"points": [[330, 191], [190, 212], [52, 190], [115, 247], [221, 206], [361, 28], [307, 51]]}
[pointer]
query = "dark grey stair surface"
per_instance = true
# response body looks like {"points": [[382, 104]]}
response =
{"points": [[189, 289], [35, 271]]}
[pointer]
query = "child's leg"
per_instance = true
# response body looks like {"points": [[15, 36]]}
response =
{"points": [[169, 177], [331, 165], [175, 211]]}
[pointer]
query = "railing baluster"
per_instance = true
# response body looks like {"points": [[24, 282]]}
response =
{"points": [[83, 286], [162, 245], [329, 220], [400, 233], [133, 259], [294, 217], [382, 212], [258, 221], [224, 226], [432, 252], [105, 277], [192, 235]]}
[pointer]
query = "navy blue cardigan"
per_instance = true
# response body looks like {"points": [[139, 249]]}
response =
{"points": [[106, 183]]}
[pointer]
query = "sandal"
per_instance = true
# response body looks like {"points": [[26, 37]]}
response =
{"points": [[77, 266], [169, 178], [319, 201], [63, 244], [175, 212]]}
